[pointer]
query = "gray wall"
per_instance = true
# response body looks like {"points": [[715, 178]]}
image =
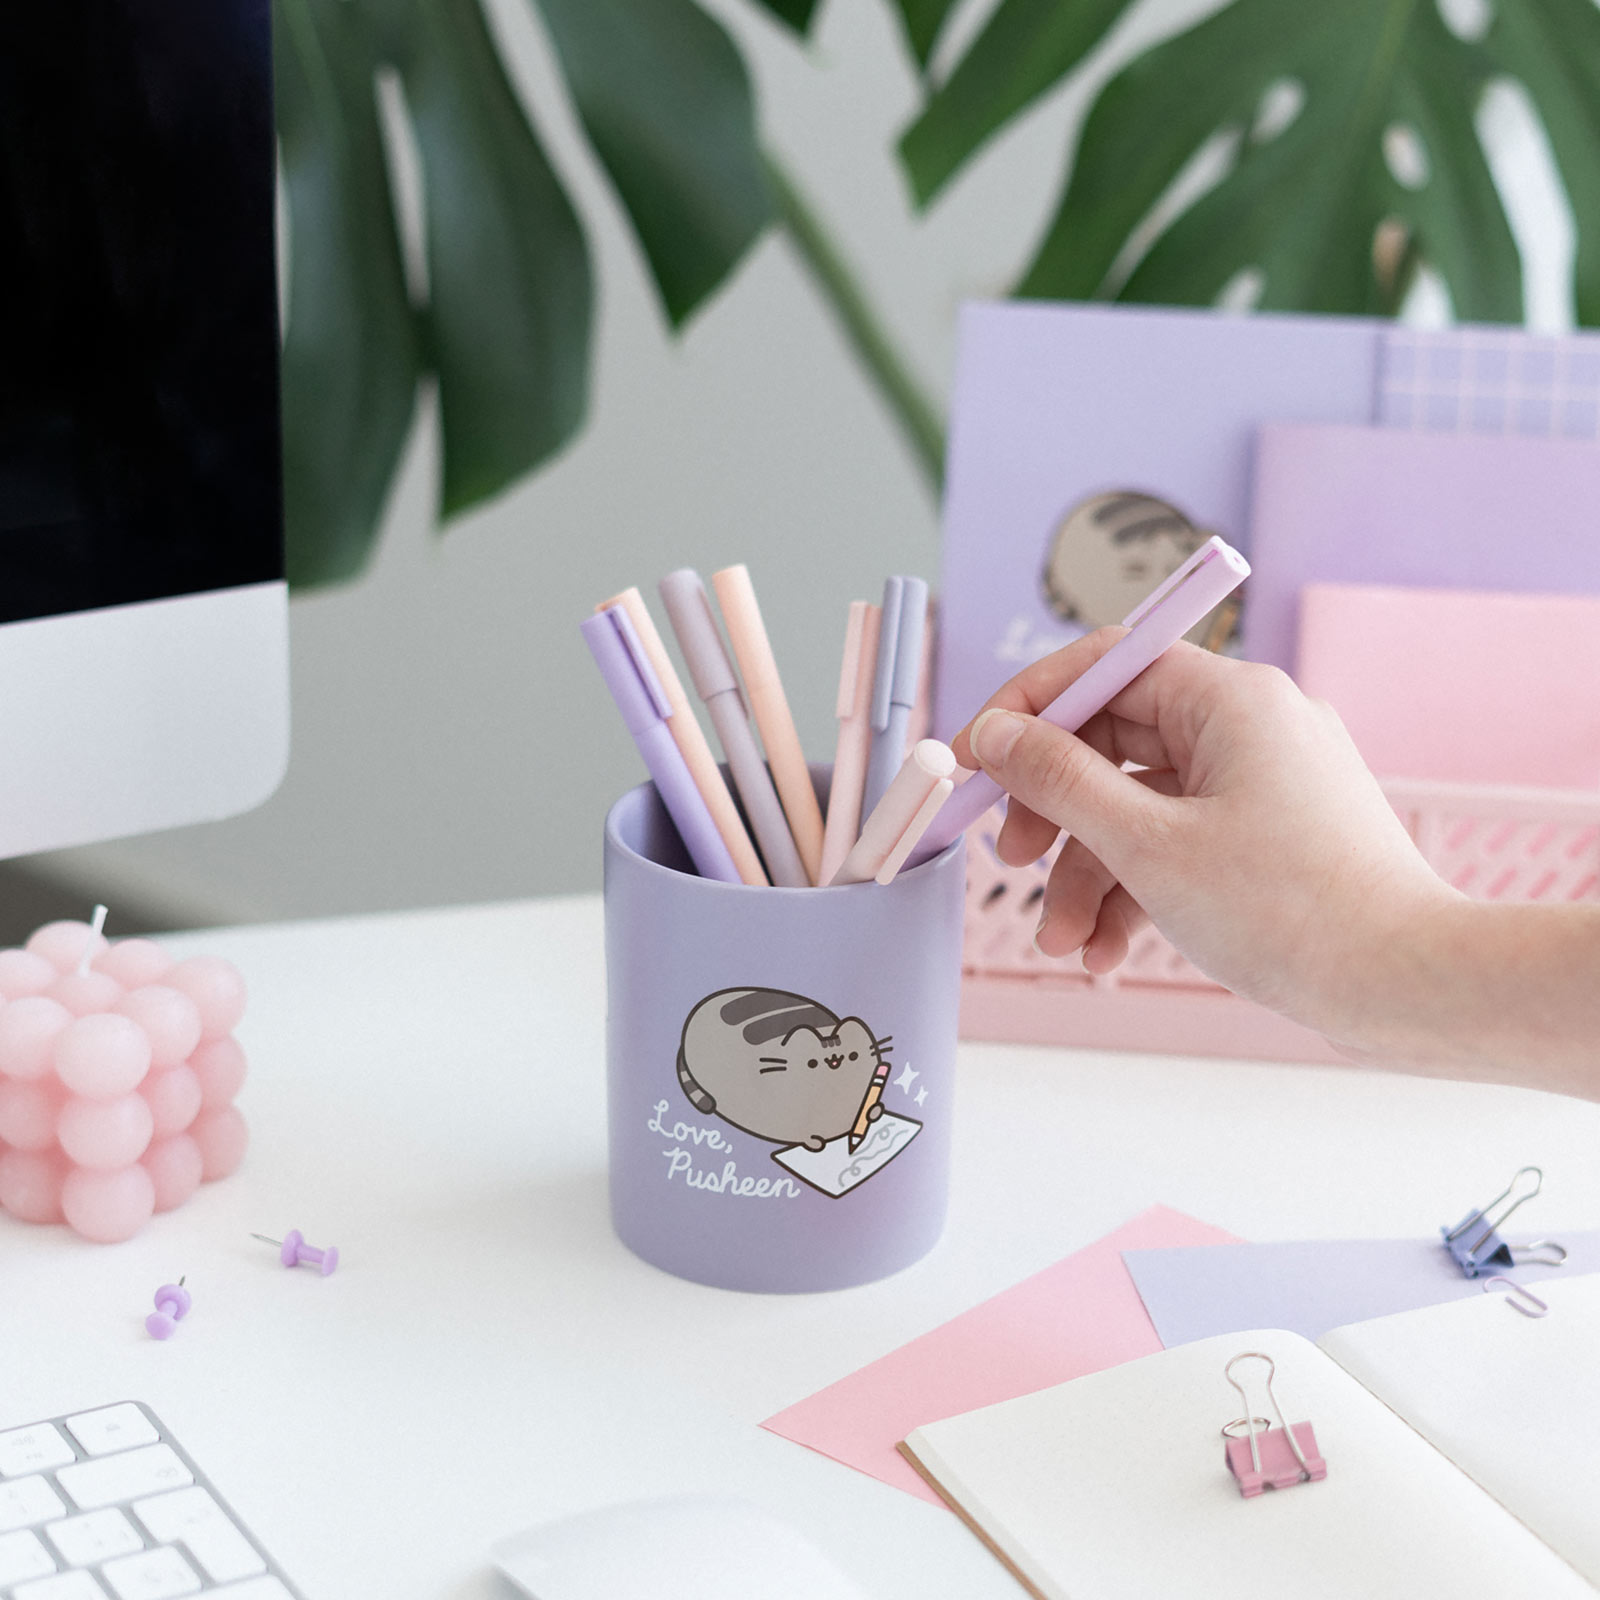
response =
{"points": [[451, 741]]}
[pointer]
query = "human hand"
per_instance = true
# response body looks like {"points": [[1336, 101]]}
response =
{"points": [[1254, 838]]}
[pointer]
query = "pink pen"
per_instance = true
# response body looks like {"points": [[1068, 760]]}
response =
{"points": [[1203, 582], [764, 690], [898, 821], [854, 711], [711, 673]]}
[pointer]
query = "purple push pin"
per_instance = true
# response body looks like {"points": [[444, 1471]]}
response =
{"points": [[295, 1252], [172, 1306]]}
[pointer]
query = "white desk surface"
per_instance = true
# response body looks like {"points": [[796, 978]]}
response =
{"points": [[427, 1092]]}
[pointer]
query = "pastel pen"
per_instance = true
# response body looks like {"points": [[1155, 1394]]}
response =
{"points": [[920, 725], [691, 740], [894, 685], [1201, 584], [874, 1094], [898, 821], [854, 711], [757, 666], [689, 611], [645, 713]]}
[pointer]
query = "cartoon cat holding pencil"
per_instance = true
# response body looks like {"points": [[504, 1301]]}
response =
{"points": [[782, 1067]]}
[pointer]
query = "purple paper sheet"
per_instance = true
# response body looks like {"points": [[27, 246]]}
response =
{"points": [[1313, 1285], [1346, 504]]}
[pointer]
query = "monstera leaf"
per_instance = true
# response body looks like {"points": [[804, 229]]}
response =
{"points": [[797, 13], [1353, 150], [1345, 133], [503, 329]]}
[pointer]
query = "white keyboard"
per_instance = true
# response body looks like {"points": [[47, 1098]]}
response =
{"points": [[105, 1505]]}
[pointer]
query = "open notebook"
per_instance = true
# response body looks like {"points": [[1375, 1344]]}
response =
{"points": [[1462, 1443]]}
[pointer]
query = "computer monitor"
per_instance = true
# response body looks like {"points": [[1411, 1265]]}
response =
{"points": [[143, 610]]}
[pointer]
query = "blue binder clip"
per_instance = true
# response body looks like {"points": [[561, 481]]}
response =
{"points": [[1475, 1244]]}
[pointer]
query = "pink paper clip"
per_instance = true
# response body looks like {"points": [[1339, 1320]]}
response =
{"points": [[1265, 1456]]}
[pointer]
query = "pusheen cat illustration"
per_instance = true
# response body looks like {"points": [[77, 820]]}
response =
{"points": [[778, 1065], [1111, 550]]}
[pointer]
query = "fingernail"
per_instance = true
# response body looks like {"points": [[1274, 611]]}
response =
{"points": [[1039, 931], [993, 735]]}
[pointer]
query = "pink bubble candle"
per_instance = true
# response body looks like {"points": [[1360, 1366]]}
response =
{"points": [[118, 1069]]}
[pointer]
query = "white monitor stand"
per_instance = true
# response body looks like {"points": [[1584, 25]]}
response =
{"points": [[139, 717], [143, 612]]}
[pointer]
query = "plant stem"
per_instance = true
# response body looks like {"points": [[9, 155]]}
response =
{"points": [[918, 418]]}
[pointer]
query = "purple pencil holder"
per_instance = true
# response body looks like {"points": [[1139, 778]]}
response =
{"points": [[780, 1064]]}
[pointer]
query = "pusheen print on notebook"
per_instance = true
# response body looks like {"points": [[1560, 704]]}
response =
{"points": [[1092, 448], [786, 1069]]}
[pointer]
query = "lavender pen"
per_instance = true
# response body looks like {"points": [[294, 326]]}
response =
{"points": [[1162, 618], [902, 620], [645, 708]]}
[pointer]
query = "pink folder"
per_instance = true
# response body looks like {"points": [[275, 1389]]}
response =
{"points": [[1457, 685], [1078, 1316]]}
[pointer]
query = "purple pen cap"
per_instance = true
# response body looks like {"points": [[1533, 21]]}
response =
{"points": [[615, 646]]}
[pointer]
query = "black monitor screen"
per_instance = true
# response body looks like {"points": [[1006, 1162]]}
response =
{"points": [[139, 452]]}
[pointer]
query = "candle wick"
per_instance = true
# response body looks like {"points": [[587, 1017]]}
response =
{"points": [[95, 928]]}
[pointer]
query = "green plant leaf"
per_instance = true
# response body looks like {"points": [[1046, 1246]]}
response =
{"points": [[1554, 49], [1025, 48], [666, 103], [1458, 223], [350, 349], [923, 20], [797, 13], [510, 288], [1302, 205]]}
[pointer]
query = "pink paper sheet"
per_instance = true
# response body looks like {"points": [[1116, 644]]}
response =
{"points": [[1459, 685], [1081, 1315]]}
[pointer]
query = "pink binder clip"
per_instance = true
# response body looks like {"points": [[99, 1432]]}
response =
{"points": [[1265, 1456]]}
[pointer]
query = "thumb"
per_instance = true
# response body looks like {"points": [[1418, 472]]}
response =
{"points": [[1058, 776]]}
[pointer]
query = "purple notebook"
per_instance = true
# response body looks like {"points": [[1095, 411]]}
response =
{"points": [[1085, 440], [1382, 506]]}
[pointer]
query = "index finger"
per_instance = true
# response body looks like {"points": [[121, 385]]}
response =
{"points": [[1040, 682]]}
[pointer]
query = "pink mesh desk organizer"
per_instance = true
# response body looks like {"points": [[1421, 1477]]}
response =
{"points": [[1492, 844]]}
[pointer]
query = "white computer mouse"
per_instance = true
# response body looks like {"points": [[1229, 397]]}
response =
{"points": [[687, 1547]]}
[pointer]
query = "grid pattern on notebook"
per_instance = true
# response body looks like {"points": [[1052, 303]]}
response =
{"points": [[1490, 380], [106, 1505]]}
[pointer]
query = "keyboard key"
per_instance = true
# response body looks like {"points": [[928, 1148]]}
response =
{"points": [[191, 1517], [94, 1537], [113, 1428], [69, 1586], [93, 1484], [255, 1589], [35, 1449], [22, 1556], [155, 1575], [26, 1502]]}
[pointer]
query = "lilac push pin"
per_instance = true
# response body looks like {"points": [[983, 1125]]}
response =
{"points": [[295, 1252], [172, 1306]]}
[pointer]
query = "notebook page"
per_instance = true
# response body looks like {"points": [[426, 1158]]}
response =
{"points": [[1514, 1401], [1113, 1487]]}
